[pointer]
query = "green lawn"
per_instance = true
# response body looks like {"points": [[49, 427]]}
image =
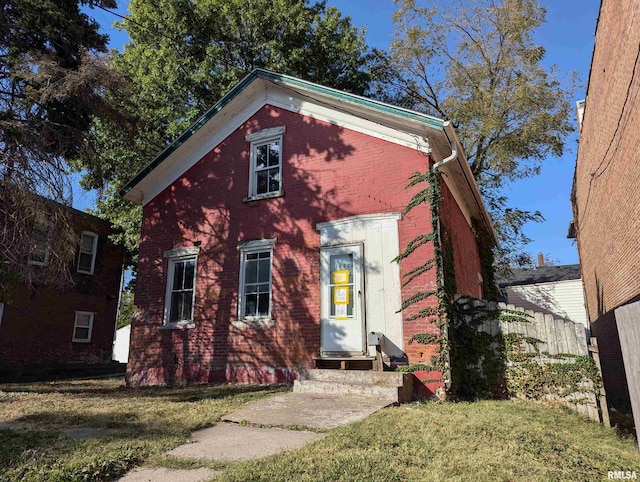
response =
{"points": [[508, 440]]}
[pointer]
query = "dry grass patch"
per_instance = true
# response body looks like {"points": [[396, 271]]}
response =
{"points": [[144, 424]]}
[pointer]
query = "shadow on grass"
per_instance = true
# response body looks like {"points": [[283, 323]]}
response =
{"points": [[192, 393], [20, 446]]}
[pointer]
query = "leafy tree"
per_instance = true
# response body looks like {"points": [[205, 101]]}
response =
{"points": [[475, 63], [184, 55], [127, 308], [51, 85]]}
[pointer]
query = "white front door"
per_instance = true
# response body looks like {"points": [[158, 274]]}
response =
{"points": [[343, 324]]}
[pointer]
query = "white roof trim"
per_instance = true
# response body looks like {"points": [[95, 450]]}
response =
{"points": [[249, 102]]}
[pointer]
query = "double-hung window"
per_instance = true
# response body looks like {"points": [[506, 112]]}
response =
{"points": [[181, 285], [255, 280], [83, 326], [87, 254], [265, 178], [40, 246]]}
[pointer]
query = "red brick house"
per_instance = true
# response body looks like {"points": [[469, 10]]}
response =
{"points": [[606, 198], [44, 329], [270, 229]]}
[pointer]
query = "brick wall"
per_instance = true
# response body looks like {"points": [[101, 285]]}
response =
{"points": [[37, 323], [607, 205], [328, 173], [607, 198], [466, 257]]}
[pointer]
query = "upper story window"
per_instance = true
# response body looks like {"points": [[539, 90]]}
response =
{"points": [[181, 285], [87, 254], [40, 246], [265, 172]]}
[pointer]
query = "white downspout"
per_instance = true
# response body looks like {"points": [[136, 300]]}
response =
{"points": [[436, 166]]}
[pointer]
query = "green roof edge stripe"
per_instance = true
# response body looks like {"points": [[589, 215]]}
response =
{"points": [[431, 121]]}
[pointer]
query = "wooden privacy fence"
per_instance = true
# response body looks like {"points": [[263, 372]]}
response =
{"points": [[543, 358], [556, 335]]}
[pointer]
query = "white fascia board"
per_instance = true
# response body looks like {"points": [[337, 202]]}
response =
{"points": [[409, 134], [468, 194], [376, 125], [202, 142]]}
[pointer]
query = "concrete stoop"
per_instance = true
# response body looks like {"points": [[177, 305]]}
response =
{"points": [[396, 387]]}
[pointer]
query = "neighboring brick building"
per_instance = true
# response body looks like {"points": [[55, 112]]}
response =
{"points": [[44, 329], [606, 192], [270, 228]]}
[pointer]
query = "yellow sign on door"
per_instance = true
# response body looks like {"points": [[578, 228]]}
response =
{"points": [[341, 295], [341, 277]]}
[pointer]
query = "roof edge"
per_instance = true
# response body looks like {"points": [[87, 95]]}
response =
{"points": [[471, 181], [288, 82]]}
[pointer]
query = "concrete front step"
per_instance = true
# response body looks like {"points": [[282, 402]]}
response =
{"points": [[392, 386], [397, 379]]}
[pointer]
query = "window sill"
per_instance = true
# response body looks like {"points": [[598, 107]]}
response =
{"points": [[260, 197], [254, 323], [183, 325]]}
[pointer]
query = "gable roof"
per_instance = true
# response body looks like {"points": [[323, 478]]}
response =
{"points": [[540, 274], [261, 87]]}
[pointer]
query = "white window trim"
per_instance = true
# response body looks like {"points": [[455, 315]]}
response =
{"points": [[257, 139], [46, 254], [75, 325], [174, 256], [248, 247], [94, 251]]}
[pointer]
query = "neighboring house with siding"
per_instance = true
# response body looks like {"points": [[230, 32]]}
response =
{"points": [[270, 229], [554, 290], [606, 194], [44, 329]]}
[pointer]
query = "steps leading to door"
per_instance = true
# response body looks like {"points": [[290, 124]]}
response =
{"points": [[393, 386]]}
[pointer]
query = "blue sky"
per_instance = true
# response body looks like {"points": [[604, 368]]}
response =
{"points": [[568, 38]]}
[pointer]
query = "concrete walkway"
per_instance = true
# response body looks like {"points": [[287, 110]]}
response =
{"points": [[229, 441]]}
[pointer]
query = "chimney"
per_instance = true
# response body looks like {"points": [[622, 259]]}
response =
{"points": [[540, 259]]}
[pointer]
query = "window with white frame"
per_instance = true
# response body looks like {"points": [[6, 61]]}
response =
{"points": [[40, 246], [266, 162], [255, 280], [181, 283], [87, 253], [83, 326]]}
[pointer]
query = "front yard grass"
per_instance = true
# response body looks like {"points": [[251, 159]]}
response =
{"points": [[484, 441], [479, 441], [142, 424]]}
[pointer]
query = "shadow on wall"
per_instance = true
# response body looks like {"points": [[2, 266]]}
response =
{"points": [[207, 207], [539, 298]]}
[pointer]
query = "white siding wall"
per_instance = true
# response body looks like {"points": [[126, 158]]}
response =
{"points": [[563, 299], [121, 345], [379, 234]]}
